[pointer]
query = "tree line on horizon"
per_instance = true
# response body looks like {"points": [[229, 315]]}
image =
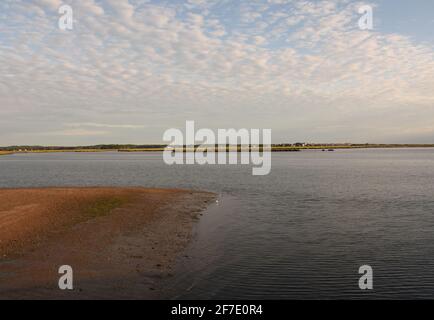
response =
{"points": [[159, 146]]}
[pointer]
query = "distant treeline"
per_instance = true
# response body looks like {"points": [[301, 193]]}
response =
{"points": [[96, 147], [156, 147]]}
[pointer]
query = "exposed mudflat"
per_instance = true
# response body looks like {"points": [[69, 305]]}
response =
{"points": [[120, 242]]}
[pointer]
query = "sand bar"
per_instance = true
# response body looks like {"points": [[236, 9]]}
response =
{"points": [[121, 242]]}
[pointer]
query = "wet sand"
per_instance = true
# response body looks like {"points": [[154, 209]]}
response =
{"points": [[120, 242]]}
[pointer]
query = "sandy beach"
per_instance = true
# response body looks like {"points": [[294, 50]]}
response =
{"points": [[120, 242]]}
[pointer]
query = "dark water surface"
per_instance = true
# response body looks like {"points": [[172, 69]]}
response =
{"points": [[301, 232]]}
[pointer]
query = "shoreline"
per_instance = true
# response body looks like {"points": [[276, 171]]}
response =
{"points": [[120, 242], [274, 148]]}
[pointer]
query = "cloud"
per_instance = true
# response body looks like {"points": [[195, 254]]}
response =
{"points": [[49, 4], [122, 9], [293, 66], [76, 133], [104, 125]]}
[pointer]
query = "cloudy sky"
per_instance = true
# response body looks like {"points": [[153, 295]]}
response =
{"points": [[130, 69]]}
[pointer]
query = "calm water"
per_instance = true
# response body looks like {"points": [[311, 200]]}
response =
{"points": [[301, 232]]}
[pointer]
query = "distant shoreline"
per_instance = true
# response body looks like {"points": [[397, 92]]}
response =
{"points": [[161, 148]]}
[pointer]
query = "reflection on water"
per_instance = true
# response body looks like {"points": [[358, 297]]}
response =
{"points": [[301, 232]]}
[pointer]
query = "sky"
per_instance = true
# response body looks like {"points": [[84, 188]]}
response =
{"points": [[131, 69]]}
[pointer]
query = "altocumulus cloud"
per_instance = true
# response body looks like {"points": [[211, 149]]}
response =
{"points": [[131, 69]]}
